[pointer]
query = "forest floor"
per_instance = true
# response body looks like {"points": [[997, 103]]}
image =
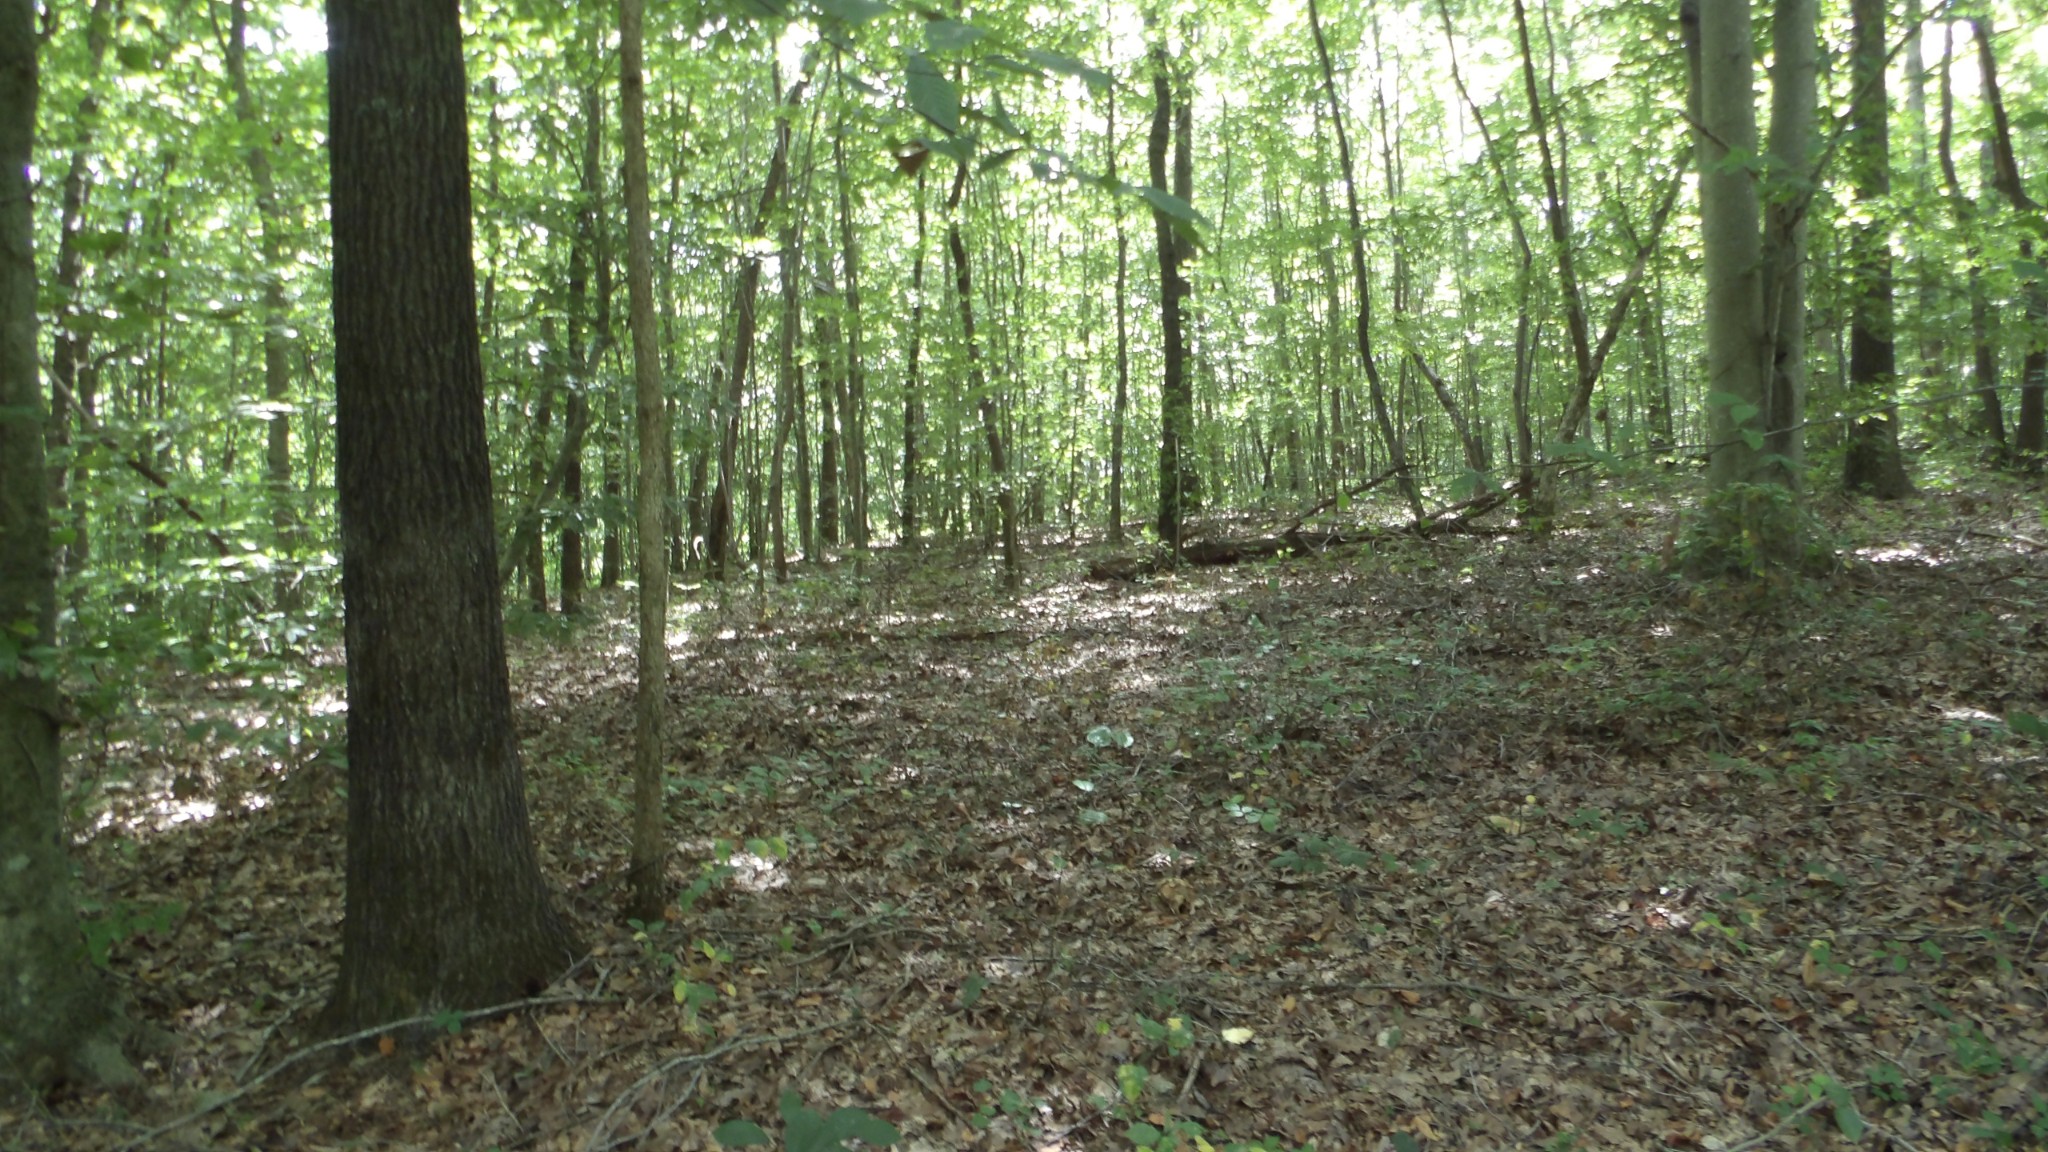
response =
{"points": [[1475, 842]]}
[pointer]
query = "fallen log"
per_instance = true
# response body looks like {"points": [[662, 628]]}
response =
{"points": [[1296, 541]]}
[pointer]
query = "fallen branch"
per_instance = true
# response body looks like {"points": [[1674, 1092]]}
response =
{"points": [[216, 1103]]}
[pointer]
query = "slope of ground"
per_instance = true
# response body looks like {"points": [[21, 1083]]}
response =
{"points": [[1464, 843]]}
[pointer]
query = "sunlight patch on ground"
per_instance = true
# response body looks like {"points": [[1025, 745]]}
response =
{"points": [[1901, 554], [752, 872], [1593, 573]]}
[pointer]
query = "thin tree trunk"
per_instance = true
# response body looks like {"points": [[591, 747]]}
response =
{"points": [[1984, 351], [2027, 434], [277, 341], [1397, 453], [1120, 414], [786, 390], [853, 415], [913, 417], [1176, 387], [647, 879], [718, 541], [977, 385]]}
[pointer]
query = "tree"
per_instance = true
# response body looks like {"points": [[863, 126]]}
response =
{"points": [[646, 880], [1873, 463], [55, 1020], [1178, 478], [1397, 455], [446, 905]]}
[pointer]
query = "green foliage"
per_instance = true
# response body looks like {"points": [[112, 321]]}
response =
{"points": [[1752, 531], [118, 922], [806, 1131]]}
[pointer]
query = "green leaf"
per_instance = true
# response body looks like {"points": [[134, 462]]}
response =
{"points": [[950, 35], [856, 1124], [1144, 1135], [971, 989], [741, 1134], [1103, 736], [854, 12], [1403, 1142], [1847, 1118], [133, 57], [2028, 269], [1172, 205], [1095, 78], [2027, 724], [1130, 1080], [1754, 439], [932, 96]]}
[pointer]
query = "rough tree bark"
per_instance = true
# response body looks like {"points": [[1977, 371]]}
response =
{"points": [[1873, 463], [446, 905], [56, 1022]]}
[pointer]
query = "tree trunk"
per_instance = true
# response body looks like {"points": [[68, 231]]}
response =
{"points": [[1794, 51], [1176, 385], [56, 1020], [277, 341], [1873, 463], [786, 388], [1730, 230], [71, 344], [589, 334], [718, 541], [2027, 434], [446, 905], [1984, 350], [977, 384], [647, 873], [853, 415], [1397, 452], [825, 334], [1120, 414], [913, 416]]}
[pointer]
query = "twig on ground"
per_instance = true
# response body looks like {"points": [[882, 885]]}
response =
{"points": [[216, 1104], [597, 1143]]}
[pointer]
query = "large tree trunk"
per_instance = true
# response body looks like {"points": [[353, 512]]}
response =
{"points": [[1873, 463], [1794, 51], [1397, 452], [55, 1019], [1730, 230], [446, 905], [647, 888]]}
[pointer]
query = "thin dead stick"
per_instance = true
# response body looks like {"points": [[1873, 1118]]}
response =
{"points": [[597, 1143], [214, 1105]]}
